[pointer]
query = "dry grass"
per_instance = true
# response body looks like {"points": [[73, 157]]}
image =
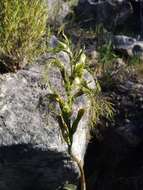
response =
{"points": [[22, 26]]}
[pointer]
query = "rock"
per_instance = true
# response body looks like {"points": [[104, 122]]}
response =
{"points": [[108, 12], [141, 17], [58, 10], [128, 104], [116, 160], [128, 45], [33, 154], [118, 63], [118, 16]]}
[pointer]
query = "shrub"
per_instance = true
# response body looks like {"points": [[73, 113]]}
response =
{"points": [[22, 26]]}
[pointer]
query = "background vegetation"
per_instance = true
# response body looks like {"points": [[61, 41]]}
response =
{"points": [[22, 26]]}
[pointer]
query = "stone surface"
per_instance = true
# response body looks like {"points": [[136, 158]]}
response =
{"points": [[115, 160], [128, 45], [33, 154], [58, 10], [119, 16], [108, 12]]}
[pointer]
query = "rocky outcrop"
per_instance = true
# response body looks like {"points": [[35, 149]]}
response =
{"points": [[33, 154]]}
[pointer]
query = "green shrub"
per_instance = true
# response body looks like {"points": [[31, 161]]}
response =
{"points": [[22, 26]]}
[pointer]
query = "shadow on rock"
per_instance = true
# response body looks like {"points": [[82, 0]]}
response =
{"points": [[25, 168]]}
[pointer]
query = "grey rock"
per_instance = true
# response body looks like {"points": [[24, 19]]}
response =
{"points": [[120, 163], [108, 12], [58, 10], [33, 154], [128, 101], [53, 42], [129, 45], [141, 17], [101, 1], [119, 16]]}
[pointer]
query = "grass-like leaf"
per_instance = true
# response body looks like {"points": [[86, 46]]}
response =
{"points": [[22, 26]]}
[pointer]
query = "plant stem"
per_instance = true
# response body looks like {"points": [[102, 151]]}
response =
{"points": [[82, 175]]}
